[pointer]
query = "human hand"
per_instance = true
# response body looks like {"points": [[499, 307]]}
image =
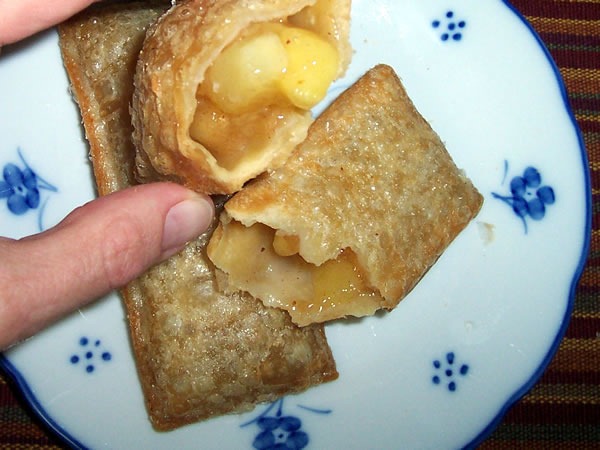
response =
{"points": [[99, 246], [22, 18], [95, 249]]}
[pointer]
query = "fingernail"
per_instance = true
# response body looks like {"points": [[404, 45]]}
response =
{"points": [[185, 221]]}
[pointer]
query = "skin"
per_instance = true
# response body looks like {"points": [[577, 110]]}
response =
{"points": [[22, 18], [101, 245]]}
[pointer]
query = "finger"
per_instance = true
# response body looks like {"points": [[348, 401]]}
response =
{"points": [[98, 247], [22, 18]]}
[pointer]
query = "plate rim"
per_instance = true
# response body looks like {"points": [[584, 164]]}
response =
{"points": [[36, 407], [534, 378]]}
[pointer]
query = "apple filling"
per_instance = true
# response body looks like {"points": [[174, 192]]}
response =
{"points": [[281, 278], [271, 71]]}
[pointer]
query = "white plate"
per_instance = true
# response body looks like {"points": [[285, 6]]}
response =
{"points": [[473, 336]]}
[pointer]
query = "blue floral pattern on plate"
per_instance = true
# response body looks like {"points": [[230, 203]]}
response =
{"points": [[528, 197], [279, 431], [89, 354], [447, 371], [21, 188], [450, 28]]}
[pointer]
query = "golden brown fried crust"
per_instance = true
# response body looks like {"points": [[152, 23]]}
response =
{"points": [[103, 89], [372, 177], [199, 353], [174, 59]]}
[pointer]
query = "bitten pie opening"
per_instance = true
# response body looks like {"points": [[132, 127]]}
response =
{"points": [[272, 70]]}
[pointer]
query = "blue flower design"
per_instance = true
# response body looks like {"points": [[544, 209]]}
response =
{"points": [[452, 29], [529, 197], [280, 431], [90, 354], [21, 188], [447, 370]]}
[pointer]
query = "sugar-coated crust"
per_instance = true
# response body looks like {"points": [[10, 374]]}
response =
{"points": [[199, 353], [172, 64], [102, 89], [373, 177]]}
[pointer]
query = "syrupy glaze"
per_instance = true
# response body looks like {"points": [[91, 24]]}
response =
{"points": [[271, 71], [339, 282], [232, 138], [281, 278]]}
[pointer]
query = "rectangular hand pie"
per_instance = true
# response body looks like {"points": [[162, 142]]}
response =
{"points": [[199, 353], [223, 89], [357, 215]]}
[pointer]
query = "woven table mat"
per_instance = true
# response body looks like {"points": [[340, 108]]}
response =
{"points": [[562, 410]]}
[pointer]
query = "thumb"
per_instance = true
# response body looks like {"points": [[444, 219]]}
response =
{"points": [[22, 18], [98, 247]]}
